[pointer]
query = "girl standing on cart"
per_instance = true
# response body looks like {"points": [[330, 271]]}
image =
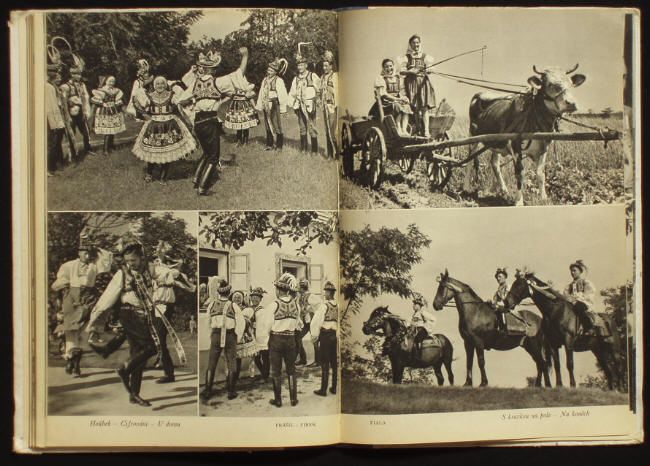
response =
{"points": [[389, 89], [415, 67], [109, 118]]}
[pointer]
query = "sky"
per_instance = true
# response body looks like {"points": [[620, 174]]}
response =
{"points": [[472, 243], [217, 23], [516, 39]]}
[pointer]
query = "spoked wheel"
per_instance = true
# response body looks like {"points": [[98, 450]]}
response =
{"points": [[347, 153], [439, 171], [406, 163], [373, 156]]}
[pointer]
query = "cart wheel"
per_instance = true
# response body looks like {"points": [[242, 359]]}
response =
{"points": [[406, 163], [347, 153], [373, 155], [439, 171]]}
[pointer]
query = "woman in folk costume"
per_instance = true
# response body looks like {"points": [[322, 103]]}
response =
{"points": [[415, 67], [132, 287], [76, 278], [164, 138], [204, 95], [143, 81], [109, 118], [499, 299], [241, 114], [303, 98], [281, 320], [272, 101], [227, 327], [329, 98], [423, 321], [246, 346], [389, 89], [581, 293]]}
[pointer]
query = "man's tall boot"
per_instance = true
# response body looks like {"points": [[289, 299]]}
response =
{"points": [[314, 145], [199, 172], [279, 142], [277, 392], [231, 382], [69, 364], [136, 383], [204, 184], [269, 140], [324, 379], [303, 143], [206, 393], [293, 390], [76, 369], [335, 379], [110, 347]]}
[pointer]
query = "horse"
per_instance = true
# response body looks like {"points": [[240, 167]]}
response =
{"points": [[478, 327], [561, 326], [398, 345]]}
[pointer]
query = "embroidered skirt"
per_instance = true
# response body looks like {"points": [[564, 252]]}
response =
{"points": [[164, 141], [109, 120], [241, 114]]}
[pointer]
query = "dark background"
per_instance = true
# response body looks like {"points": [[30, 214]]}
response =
{"points": [[327, 456]]}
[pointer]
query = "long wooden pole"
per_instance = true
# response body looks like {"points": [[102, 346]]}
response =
{"points": [[610, 135]]}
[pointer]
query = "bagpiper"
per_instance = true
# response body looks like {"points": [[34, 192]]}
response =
{"points": [[205, 94], [272, 102], [323, 329], [227, 326], [303, 97], [581, 293], [76, 95], [329, 98]]}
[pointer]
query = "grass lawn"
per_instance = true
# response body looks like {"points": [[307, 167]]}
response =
{"points": [[251, 178], [366, 397]]}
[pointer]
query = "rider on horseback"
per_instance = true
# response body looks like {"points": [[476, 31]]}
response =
{"points": [[422, 322], [580, 292], [498, 301]]}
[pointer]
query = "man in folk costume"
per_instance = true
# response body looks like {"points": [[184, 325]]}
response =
{"points": [[77, 279], [142, 83], [227, 324], [76, 95], [132, 286], [423, 321], [499, 299], [416, 68], [581, 293], [55, 118], [281, 320], [261, 357], [272, 102], [307, 301], [329, 97], [323, 329], [303, 98], [206, 93]]}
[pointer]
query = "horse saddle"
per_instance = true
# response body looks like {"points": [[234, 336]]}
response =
{"points": [[517, 325], [433, 341], [599, 325]]}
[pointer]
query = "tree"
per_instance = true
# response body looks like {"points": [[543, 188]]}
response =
{"points": [[376, 262], [234, 229]]}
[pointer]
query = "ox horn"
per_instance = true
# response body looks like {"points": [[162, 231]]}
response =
{"points": [[573, 69], [535, 70]]}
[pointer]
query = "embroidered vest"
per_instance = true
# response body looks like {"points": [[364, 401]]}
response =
{"points": [[304, 304], [327, 86], [287, 310], [205, 89], [161, 104], [221, 307], [332, 313], [392, 85], [414, 62]]}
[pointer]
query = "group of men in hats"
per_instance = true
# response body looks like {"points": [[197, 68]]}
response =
{"points": [[278, 328]]}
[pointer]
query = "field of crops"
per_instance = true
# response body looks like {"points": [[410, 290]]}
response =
{"points": [[577, 172]]}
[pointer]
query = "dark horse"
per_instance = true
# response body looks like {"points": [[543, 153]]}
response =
{"points": [[478, 327], [398, 345], [561, 326]]}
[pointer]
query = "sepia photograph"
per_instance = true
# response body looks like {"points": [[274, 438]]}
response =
{"points": [[122, 314], [484, 107], [466, 310], [196, 109], [268, 315]]}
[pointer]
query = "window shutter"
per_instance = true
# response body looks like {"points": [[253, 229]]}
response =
{"points": [[316, 279], [240, 271]]}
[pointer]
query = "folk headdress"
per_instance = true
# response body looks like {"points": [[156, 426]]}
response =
{"points": [[501, 270], [258, 291], [85, 242], [328, 56], [329, 286], [129, 241], [209, 60], [143, 67], [224, 287], [286, 282], [419, 299], [53, 59], [279, 65], [300, 56], [163, 247], [78, 64], [579, 265], [303, 284]]}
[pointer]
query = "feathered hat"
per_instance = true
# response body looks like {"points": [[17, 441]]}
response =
{"points": [[501, 270], [300, 57], [419, 299], [129, 241], [328, 56], [209, 60], [53, 59], [303, 284], [258, 291], [286, 282], [85, 242], [579, 265], [224, 287], [329, 286], [279, 65]]}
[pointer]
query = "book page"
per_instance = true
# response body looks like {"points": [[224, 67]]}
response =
{"points": [[183, 256], [490, 262]]}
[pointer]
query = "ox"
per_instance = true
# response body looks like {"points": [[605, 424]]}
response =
{"points": [[537, 110]]}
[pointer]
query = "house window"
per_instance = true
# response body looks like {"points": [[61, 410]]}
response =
{"points": [[240, 272], [316, 279], [212, 263]]}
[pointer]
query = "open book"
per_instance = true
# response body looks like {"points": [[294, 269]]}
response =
{"points": [[279, 228]]}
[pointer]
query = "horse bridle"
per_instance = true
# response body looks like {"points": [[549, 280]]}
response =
{"points": [[452, 287]]}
